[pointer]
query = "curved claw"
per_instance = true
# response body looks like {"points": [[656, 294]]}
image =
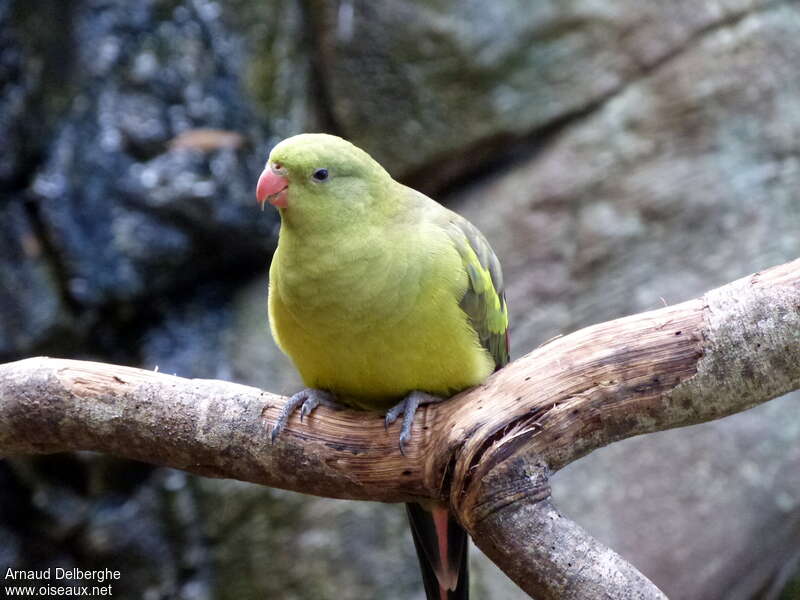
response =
{"points": [[286, 412], [393, 413], [307, 400], [407, 407], [411, 404], [309, 405]]}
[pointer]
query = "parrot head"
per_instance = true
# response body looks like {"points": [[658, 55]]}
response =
{"points": [[315, 177]]}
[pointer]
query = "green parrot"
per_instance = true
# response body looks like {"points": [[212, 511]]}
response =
{"points": [[384, 300]]}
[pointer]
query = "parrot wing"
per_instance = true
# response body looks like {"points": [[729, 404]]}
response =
{"points": [[484, 300]]}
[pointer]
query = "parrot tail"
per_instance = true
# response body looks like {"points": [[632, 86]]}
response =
{"points": [[441, 545]]}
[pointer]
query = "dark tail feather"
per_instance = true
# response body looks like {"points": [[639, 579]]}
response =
{"points": [[441, 545]]}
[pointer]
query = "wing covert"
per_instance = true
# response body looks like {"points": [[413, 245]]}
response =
{"points": [[484, 300]]}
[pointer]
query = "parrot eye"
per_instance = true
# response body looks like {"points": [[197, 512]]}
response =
{"points": [[320, 175]]}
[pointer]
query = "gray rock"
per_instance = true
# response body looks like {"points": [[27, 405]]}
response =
{"points": [[191, 339], [121, 516], [31, 311], [280, 544], [151, 169], [34, 58], [15, 90], [458, 81], [278, 73]]}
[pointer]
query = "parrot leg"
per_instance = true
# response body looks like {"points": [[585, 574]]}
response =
{"points": [[407, 407], [306, 400]]}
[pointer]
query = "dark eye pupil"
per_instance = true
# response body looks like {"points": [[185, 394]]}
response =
{"points": [[321, 174]]}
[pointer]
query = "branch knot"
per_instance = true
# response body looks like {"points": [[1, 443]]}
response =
{"points": [[510, 481]]}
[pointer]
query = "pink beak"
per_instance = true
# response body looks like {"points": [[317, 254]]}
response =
{"points": [[272, 188]]}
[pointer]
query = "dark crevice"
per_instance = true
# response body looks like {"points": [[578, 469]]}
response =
{"points": [[18, 182], [321, 51], [523, 479], [693, 39], [527, 423], [52, 256], [447, 474], [47, 94], [478, 162]]}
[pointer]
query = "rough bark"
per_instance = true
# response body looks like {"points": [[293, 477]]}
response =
{"points": [[735, 347]]}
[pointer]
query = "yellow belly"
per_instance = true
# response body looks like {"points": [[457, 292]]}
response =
{"points": [[377, 367], [371, 348]]}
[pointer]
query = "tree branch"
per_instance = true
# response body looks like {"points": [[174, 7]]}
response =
{"points": [[737, 346]]}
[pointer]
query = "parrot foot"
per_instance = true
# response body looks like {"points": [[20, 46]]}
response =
{"points": [[407, 407], [306, 400]]}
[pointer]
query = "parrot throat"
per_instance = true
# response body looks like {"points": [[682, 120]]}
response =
{"points": [[324, 278]]}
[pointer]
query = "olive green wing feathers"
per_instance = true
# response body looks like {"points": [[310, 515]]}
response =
{"points": [[484, 300]]}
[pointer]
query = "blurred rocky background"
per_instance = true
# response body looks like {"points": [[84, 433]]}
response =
{"points": [[618, 155]]}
